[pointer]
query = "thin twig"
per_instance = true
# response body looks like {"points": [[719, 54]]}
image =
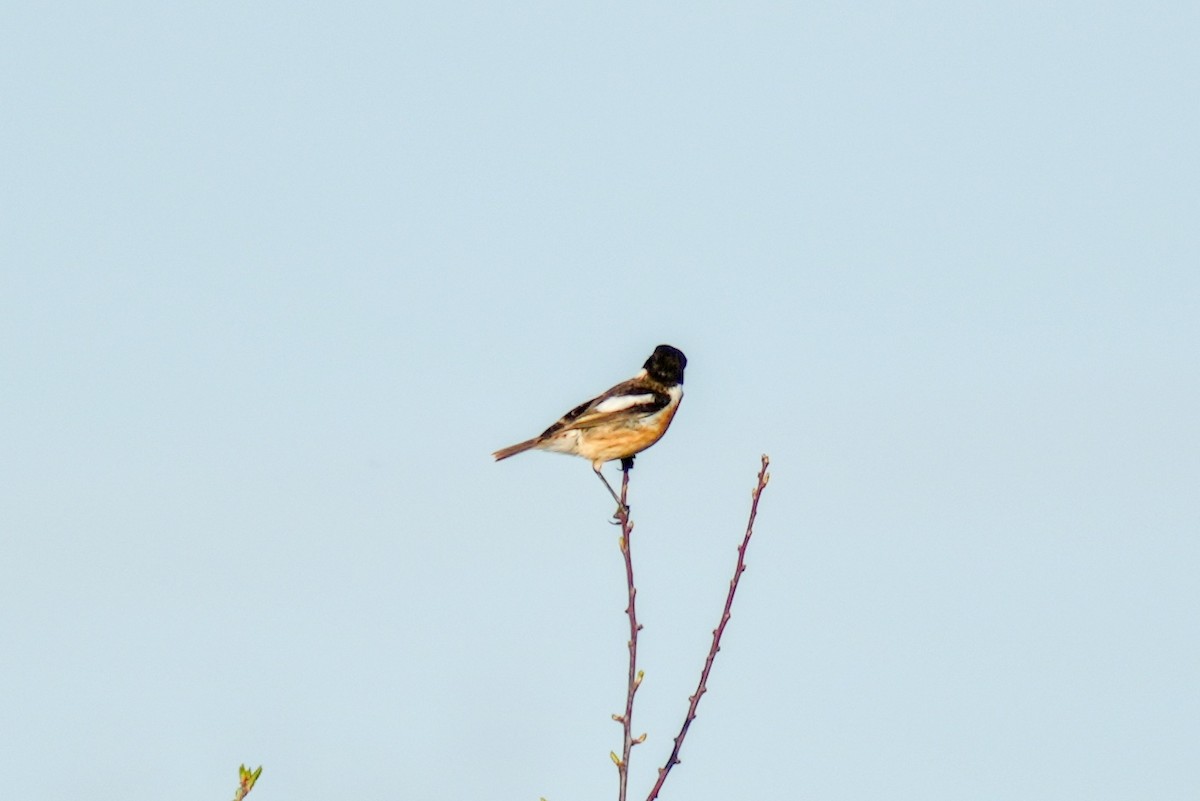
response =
{"points": [[702, 687], [635, 678]]}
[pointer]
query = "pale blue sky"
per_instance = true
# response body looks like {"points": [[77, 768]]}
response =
{"points": [[275, 279]]}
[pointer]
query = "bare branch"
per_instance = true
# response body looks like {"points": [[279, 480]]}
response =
{"points": [[635, 677], [702, 687]]}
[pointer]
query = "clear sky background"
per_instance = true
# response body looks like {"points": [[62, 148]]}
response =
{"points": [[275, 279]]}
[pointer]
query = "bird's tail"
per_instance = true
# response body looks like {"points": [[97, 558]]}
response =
{"points": [[513, 450]]}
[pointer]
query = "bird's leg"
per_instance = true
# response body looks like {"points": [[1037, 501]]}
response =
{"points": [[622, 509]]}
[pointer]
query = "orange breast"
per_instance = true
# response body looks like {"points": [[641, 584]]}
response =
{"points": [[620, 440]]}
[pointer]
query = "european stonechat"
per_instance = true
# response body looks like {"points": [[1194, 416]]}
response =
{"points": [[620, 423]]}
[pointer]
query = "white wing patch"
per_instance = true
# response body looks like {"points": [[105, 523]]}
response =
{"points": [[620, 402]]}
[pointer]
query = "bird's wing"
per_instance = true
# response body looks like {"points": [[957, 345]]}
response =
{"points": [[628, 399]]}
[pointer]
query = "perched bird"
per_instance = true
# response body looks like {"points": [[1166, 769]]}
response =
{"points": [[622, 422]]}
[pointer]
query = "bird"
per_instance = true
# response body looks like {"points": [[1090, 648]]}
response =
{"points": [[619, 423]]}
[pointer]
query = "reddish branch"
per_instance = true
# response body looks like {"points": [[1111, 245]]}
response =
{"points": [[635, 679], [702, 688]]}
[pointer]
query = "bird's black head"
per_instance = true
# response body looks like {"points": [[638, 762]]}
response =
{"points": [[666, 365]]}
